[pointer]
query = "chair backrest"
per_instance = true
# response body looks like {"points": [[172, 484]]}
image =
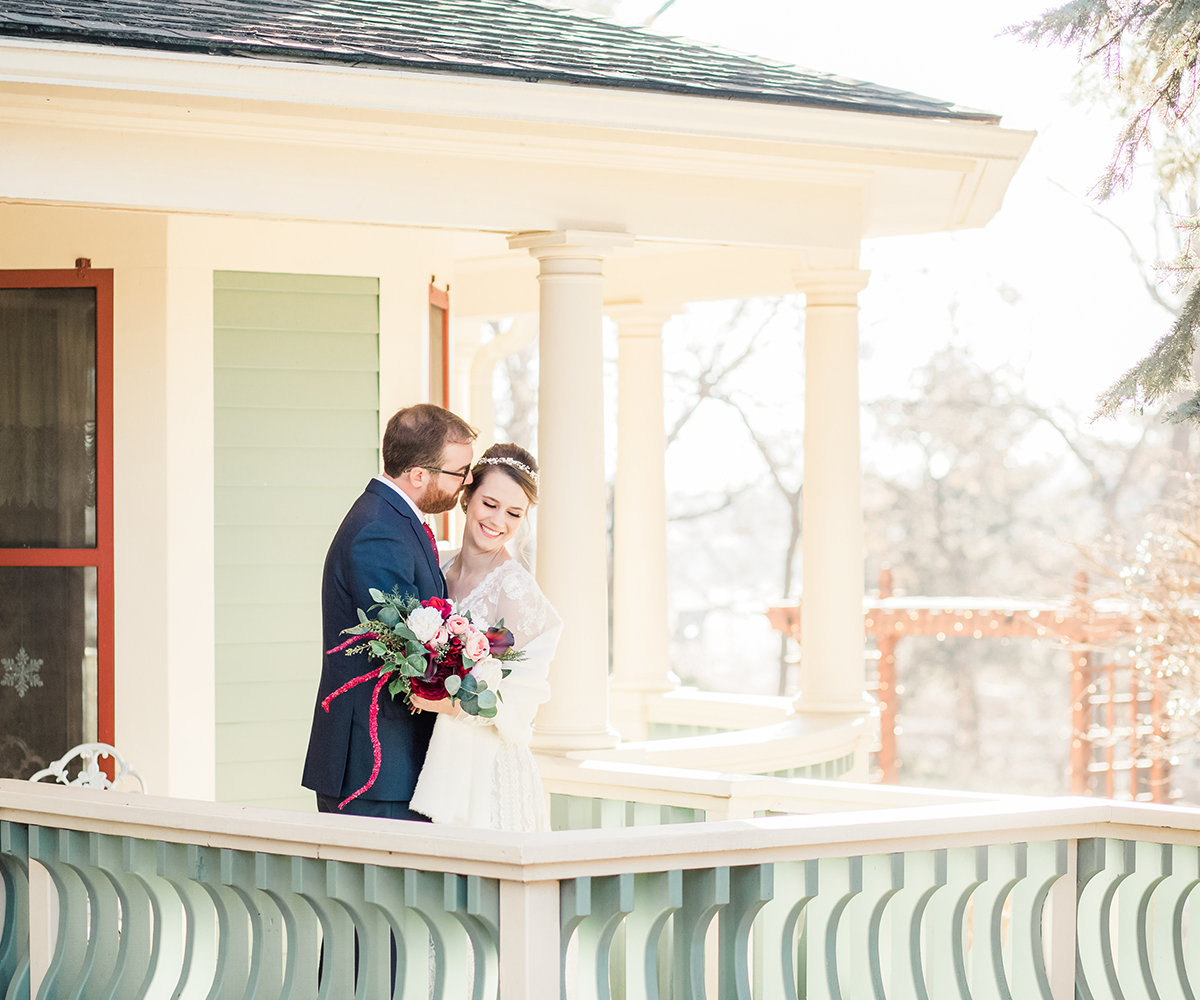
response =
{"points": [[90, 775]]}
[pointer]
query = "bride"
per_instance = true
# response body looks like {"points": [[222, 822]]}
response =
{"points": [[479, 772]]}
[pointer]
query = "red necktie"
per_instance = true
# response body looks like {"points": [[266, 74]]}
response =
{"points": [[432, 541]]}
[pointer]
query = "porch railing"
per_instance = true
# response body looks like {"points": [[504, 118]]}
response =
{"points": [[142, 896]]}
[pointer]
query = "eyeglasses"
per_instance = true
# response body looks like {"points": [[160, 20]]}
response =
{"points": [[447, 472]]}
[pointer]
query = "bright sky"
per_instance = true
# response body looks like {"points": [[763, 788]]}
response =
{"points": [[1046, 285]]}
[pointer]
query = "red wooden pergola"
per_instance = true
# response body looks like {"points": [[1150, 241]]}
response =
{"points": [[1109, 729]]}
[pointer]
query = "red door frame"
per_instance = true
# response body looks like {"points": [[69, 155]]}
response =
{"points": [[102, 555], [441, 299]]}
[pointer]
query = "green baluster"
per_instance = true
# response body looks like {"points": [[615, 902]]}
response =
{"points": [[265, 975], [475, 903], [198, 968], [656, 896], [14, 930], [1171, 971], [100, 956], [132, 951], [1046, 863], [575, 904], [839, 881], [1007, 865], [751, 887], [1103, 865], [164, 963], [337, 946], [611, 898], [924, 874], [946, 924], [233, 926], [705, 892], [425, 893], [1135, 919], [780, 958], [385, 888], [860, 950], [63, 972], [273, 877], [345, 884]]}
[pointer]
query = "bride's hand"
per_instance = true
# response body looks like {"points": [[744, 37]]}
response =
{"points": [[443, 706]]}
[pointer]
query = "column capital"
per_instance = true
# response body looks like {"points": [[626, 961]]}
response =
{"points": [[641, 319], [569, 242], [831, 288]]}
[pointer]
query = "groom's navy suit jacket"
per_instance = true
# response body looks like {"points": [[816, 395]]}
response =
{"points": [[381, 544]]}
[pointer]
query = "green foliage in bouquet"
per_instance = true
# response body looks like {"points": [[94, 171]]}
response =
{"points": [[436, 667]]}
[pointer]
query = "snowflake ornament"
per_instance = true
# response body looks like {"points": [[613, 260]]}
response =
{"points": [[21, 672]]}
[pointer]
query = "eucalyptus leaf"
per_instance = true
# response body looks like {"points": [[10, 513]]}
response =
{"points": [[470, 684], [487, 699], [505, 671], [389, 616], [405, 632], [362, 616], [453, 683], [376, 595], [487, 713]]}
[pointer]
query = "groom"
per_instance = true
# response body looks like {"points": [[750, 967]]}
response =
{"points": [[383, 542]]}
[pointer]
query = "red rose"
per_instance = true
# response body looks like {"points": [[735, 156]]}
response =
{"points": [[444, 606]]}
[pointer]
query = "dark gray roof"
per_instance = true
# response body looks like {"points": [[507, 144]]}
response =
{"points": [[524, 39]]}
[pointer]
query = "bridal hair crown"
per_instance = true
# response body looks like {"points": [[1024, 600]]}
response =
{"points": [[504, 460]]}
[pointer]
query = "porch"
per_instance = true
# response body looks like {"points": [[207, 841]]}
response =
{"points": [[991, 898]]}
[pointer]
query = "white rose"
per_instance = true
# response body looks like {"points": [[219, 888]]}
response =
{"points": [[489, 670], [425, 623]]}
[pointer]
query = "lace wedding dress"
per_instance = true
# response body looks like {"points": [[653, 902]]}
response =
{"points": [[479, 772]]}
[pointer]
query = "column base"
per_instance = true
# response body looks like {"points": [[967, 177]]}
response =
{"points": [[627, 711], [862, 705], [566, 740]]}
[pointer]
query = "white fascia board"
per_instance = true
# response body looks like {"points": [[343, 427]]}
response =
{"points": [[837, 138]]}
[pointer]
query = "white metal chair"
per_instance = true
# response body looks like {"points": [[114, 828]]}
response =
{"points": [[90, 775]]}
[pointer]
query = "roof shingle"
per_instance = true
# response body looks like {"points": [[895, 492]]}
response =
{"points": [[524, 39]]}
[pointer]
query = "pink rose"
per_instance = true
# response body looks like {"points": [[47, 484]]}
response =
{"points": [[489, 670], [457, 624], [476, 646], [440, 638]]}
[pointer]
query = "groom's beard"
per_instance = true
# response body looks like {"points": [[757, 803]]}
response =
{"points": [[437, 501]]}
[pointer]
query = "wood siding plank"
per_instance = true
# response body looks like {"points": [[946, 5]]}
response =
{"points": [[296, 419]]}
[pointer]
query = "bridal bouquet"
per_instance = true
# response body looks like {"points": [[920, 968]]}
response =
{"points": [[430, 649]]}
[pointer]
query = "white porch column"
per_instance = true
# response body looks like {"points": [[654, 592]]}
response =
{"points": [[831, 618], [572, 556], [641, 636]]}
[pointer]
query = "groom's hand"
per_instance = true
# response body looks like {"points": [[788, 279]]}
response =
{"points": [[443, 706]]}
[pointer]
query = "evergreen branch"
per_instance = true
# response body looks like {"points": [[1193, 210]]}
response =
{"points": [[1163, 371]]}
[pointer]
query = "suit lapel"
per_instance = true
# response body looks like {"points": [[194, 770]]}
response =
{"points": [[401, 506]]}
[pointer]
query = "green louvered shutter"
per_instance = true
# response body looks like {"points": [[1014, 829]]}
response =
{"points": [[296, 398]]}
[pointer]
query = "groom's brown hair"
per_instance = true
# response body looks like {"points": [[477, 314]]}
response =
{"points": [[417, 435]]}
